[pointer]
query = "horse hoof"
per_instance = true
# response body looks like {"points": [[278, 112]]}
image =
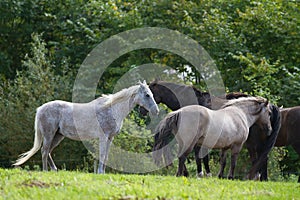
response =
{"points": [[220, 176], [200, 175], [208, 175], [257, 177]]}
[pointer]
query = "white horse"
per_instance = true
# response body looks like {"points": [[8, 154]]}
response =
{"points": [[101, 118]]}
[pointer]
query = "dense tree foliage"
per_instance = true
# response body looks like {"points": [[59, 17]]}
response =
{"points": [[255, 45]]}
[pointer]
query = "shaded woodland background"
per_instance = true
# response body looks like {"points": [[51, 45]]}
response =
{"points": [[255, 45]]}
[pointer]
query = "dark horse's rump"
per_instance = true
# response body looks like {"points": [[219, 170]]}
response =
{"points": [[289, 133]]}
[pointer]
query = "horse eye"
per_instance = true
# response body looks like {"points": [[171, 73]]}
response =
{"points": [[147, 95]]}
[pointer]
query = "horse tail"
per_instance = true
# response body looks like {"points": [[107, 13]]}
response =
{"points": [[36, 146], [269, 142], [164, 134], [276, 124]]}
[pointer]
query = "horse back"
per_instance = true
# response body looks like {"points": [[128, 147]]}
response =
{"points": [[50, 110], [47, 118], [226, 122], [192, 123]]}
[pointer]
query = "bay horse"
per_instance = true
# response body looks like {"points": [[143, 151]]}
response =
{"points": [[176, 96], [289, 134], [101, 118], [226, 128]]}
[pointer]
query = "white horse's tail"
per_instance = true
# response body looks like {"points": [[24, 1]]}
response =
{"points": [[36, 146]]}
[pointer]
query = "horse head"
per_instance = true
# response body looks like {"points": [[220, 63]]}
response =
{"points": [[154, 87], [264, 119], [145, 99]]}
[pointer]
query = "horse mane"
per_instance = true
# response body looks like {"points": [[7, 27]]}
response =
{"points": [[197, 92], [242, 100], [236, 95], [122, 95]]}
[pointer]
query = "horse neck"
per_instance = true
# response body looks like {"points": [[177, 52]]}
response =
{"points": [[248, 114], [172, 103], [168, 98], [217, 103], [122, 102], [177, 96], [123, 108]]}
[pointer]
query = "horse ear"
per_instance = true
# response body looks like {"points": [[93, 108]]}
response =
{"points": [[267, 102], [145, 82]]}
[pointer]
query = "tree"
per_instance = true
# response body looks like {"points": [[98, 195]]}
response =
{"points": [[255, 45], [33, 86]]}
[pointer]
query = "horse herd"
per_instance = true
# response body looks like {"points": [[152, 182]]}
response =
{"points": [[197, 123]]}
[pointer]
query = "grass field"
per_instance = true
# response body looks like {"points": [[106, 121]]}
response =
{"points": [[21, 184]]}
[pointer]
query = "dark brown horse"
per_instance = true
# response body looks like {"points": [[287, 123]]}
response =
{"points": [[289, 134], [172, 94]]}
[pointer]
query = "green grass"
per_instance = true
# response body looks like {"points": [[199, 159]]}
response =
{"points": [[21, 184]]}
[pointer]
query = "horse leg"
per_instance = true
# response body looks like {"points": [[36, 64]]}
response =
{"points": [[104, 145], [182, 156], [198, 161], [234, 154], [206, 165], [264, 170], [296, 147], [102, 153], [233, 164], [182, 171], [55, 142], [253, 157], [107, 151], [204, 151], [222, 162], [185, 171], [45, 150]]}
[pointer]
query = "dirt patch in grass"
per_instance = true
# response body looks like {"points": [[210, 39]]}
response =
{"points": [[37, 183]]}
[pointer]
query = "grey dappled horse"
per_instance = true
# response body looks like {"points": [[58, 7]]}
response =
{"points": [[101, 118], [224, 129]]}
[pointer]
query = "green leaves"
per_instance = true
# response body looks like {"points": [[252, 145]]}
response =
{"points": [[260, 75]]}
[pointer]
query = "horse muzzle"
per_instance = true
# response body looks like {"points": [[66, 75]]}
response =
{"points": [[154, 110]]}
